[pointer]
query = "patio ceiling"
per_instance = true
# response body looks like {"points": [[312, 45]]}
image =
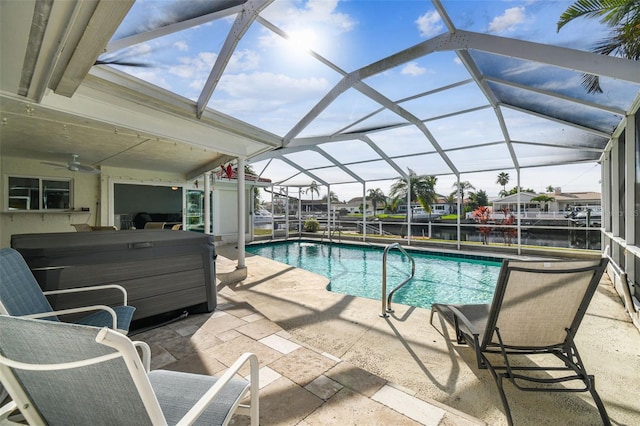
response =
{"points": [[185, 86]]}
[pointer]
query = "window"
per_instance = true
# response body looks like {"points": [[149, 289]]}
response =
{"points": [[33, 193]]}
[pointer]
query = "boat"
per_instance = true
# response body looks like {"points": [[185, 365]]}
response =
{"points": [[419, 215], [262, 216], [588, 217]]}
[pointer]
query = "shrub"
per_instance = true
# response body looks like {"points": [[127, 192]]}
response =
{"points": [[311, 225]]}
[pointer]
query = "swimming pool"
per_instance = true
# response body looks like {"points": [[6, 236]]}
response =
{"points": [[357, 271]]}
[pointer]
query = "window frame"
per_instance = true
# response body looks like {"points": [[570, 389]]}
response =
{"points": [[42, 208]]}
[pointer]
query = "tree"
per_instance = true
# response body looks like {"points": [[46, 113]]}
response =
{"points": [[514, 190], [544, 199], [503, 179], [462, 186], [248, 170], [334, 197], [482, 215], [393, 204], [376, 196], [622, 16], [313, 188], [550, 188], [451, 200], [422, 190], [477, 199]]}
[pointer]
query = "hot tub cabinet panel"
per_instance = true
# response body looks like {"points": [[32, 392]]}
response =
{"points": [[163, 271]]}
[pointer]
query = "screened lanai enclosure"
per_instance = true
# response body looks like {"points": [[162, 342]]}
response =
{"points": [[345, 95]]}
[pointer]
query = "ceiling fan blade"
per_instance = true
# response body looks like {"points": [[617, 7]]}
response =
{"points": [[64, 166], [86, 169], [123, 63]]}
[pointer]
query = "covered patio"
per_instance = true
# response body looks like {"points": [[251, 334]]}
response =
{"points": [[166, 93]]}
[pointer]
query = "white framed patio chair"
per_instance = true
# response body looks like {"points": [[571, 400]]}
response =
{"points": [[62, 374], [21, 295], [536, 310]]}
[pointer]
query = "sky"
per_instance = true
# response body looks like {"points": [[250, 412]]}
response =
{"points": [[272, 83]]}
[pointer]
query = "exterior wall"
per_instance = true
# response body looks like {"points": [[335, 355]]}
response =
{"points": [[95, 192], [85, 194], [225, 211], [621, 213]]}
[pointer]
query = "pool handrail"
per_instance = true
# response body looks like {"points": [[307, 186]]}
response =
{"points": [[386, 301]]}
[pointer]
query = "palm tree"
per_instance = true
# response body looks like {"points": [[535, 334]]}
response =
{"points": [[248, 170], [376, 196], [393, 204], [514, 190], [503, 179], [462, 186], [622, 16], [544, 199], [333, 197], [313, 188], [422, 189], [477, 199], [550, 188]]}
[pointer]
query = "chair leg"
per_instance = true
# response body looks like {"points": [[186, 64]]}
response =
{"points": [[598, 401], [503, 397]]}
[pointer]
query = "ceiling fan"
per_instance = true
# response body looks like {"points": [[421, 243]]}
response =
{"points": [[74, 165]]}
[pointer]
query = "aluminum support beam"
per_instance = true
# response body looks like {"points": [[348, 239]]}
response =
{"points": [[242, 214], [207, 203], [245, 18]]}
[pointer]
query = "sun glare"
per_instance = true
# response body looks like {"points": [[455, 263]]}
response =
{"points": [[302, 39]]}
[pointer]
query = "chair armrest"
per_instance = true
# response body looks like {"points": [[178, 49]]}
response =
{"points": [[109, 309], [145, 354], [461, 317], [6, 411], [202, 404], [91, 288]]}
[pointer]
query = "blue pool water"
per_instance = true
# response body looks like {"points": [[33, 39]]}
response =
{"points": [[357, 271]]}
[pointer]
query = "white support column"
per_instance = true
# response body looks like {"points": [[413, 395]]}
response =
{"points": [[207, 203], [460, 211], [252, 213], [615, 194], [273, 216], [299, 212], [630, 194], [242, 213], [605, 188], [364, 211], [409, 212], [519, 209], [286, 213], [329, 211]]}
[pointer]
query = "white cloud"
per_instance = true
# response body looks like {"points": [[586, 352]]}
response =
{"points": [[429, 24], [508, 20], [151, 76], [523, 68], [457, 61], [321, 12], [181, 45], [413, 69], [194, 67], [136, 51], [243, 61], [272, 86]]}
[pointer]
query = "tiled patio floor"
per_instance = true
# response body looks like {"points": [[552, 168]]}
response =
{"points": [[328, 358], [299, 385]]}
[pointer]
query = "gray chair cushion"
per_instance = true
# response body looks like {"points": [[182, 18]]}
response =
{"points": [[178, 392]]}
